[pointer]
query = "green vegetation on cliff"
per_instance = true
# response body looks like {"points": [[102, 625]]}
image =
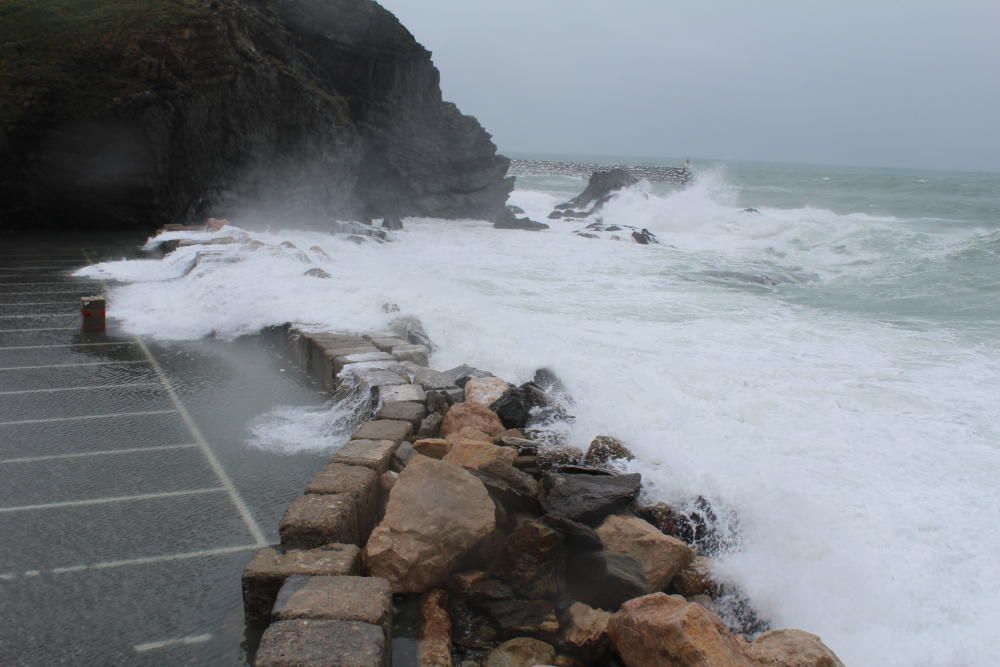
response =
{"points": [[72, 57]]}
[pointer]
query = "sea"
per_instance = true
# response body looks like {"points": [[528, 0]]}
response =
{"points": [[823, 369]]}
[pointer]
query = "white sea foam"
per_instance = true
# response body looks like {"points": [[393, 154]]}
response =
{"points": [[860, 455]]}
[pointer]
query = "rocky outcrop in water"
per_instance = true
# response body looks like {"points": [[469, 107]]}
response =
{"points": [[601, 186], [119, 114]]}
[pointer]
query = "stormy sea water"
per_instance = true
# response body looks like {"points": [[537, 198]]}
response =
{"points": [[825, 370]]}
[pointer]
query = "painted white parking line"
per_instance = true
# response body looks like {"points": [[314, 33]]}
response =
{"points": [[85, 363], [148, 560], [110, 415], [22, 317], [90, 387], [68, 291], [112, 499], [57, 282], [39, 347], [41, 329], [179, 641], [220, 473], [104, 452], [68, 265]]}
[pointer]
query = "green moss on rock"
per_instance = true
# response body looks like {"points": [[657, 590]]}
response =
{"points": [[72, 57]]}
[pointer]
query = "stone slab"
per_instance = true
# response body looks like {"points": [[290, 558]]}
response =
{"points": [[409, 411], [364, 599], [316, 643], [386, 343], [270, 566], [341, 360], [374, 454], [416, 353], [383, 429], [315, 520], [359, 482], [403, 392]]}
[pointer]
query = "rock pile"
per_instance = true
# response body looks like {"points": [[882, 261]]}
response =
{"points": [[511, 551]]}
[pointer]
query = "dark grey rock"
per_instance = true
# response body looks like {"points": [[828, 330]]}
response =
{"points": [[522, 617], [599, 187], [437, 402], [430, 426], [577, 535], [525, 224], [603, 579], [588, 498], [513, 408], [515, 490], [392, 222]]}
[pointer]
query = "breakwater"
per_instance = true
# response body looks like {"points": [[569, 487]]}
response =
{"points": [[507, 550]]}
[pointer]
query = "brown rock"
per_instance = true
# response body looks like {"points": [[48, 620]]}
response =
{"points": [[474, 415], [437, 513], [696, 579], [792, 648], [469, 433], [521, 652], [476, 585], [269, 568], [435, 448], [434, 649], [374, 454], [661, 557], [660, 630], [383, 429], [586, 628], [485, 390], [604, 448], [476, 455]]}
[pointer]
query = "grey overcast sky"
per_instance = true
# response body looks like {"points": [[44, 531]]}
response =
{"points": [[860, 82]]}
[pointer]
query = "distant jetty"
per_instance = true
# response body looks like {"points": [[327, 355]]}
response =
{"points": [[649, 172]]}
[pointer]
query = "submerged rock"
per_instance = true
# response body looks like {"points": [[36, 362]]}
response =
{"points": [[521, 652]]}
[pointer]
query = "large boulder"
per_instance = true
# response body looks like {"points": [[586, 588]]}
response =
{"points": [[662, 558], [792, 648], [585, 628], [471, 415], [314, 109], [437, 513], [660, 630]]}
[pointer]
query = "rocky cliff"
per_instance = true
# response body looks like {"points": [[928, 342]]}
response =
{"points": [[140, 112]]}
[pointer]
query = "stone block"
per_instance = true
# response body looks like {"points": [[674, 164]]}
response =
{"points": [[364, 599], [341, 360], [313, 643], [383, 429], [270, 566], [374, 454], [402, 392], [359, 482], [386, 343], [409, 411], [416, 353], [314, 520]]}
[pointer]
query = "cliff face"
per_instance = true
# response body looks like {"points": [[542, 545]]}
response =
{"points": [[128, 112]]}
